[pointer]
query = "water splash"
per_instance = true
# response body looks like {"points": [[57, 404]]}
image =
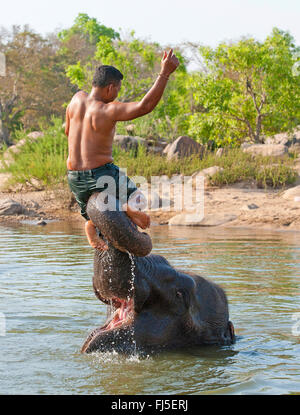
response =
{"points": [[131, 295], [108, 268], [108, 258], [132, 276], [111, 308], [113, 357]]}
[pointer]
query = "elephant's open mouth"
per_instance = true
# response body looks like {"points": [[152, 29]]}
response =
{"points": [[122, 315], [120, 321]]}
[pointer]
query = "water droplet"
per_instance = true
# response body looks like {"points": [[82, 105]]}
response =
{"points": [[132, 269]]}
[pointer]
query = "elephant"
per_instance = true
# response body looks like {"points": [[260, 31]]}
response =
{"points": [[155, 306]]}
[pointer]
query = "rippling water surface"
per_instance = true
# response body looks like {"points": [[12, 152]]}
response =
{"points": [[48, 307]]}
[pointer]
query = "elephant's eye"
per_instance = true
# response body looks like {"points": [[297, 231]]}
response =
{"points": [[183, 296]]}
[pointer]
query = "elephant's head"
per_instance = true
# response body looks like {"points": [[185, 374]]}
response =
{"points": [[155, 306]]}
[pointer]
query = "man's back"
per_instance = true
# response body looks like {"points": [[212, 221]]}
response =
{"points": [[90, 133]]}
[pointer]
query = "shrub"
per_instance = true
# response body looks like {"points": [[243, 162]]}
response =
{"points": [[43, 160]]}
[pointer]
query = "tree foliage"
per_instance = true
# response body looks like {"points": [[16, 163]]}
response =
{"points": [[78, 43], [242, 90], [35, 85], [250, 89], [137, 60], [89, 29]]}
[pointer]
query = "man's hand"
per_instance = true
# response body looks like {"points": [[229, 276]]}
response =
{"points": [[125, 111], [169, 63]]}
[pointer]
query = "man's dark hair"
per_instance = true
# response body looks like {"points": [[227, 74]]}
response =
{"points": [[105, 75]]}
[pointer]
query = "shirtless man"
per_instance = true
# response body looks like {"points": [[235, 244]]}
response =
{"points": [[90, 126]]}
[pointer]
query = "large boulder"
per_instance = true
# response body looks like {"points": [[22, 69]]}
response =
{"points": [[287, 139], [127, 142], [4, 179], [183, 146], [295, 148], [207, 174], [194, 219], [292, 193], [166, 149], [155, 145], [273, 150], [8, 156], [10, 207], [34, 135]]}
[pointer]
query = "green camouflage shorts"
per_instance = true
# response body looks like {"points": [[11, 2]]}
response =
{"points": [[84, 183]]}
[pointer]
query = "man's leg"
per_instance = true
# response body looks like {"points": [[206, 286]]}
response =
{"points": [[132, 208], [94, 240], [80, 184], [141, 219]]}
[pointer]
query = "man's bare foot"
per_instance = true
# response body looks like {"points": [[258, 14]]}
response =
{"points": [[93, 238], [141, 219]]}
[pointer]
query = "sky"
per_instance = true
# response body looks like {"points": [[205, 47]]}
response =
{"points": [[168, 22]]}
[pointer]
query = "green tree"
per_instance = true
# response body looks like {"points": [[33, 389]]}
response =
{"points": [[88, 28], [35, 84], [78, 43], [249, 90], [137, 60]]}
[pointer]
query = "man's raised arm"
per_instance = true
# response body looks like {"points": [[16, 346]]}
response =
{"points": [[120, 111]]}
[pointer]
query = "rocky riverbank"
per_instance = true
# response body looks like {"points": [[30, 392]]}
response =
{"points": [[241, 205]]}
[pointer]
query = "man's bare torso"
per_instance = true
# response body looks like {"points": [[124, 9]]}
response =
{"points": [[90, 133], [91, 119]]}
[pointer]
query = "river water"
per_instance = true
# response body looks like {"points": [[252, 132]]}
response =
{"points": [[48, 307]]}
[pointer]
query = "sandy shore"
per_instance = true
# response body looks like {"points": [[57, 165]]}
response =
{"points": [[243, 204]]}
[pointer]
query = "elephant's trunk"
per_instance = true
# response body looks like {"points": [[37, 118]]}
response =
{"points": [[116, 226]]}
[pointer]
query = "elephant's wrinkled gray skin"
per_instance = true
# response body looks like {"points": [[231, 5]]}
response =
{"points": [[164, 308]]}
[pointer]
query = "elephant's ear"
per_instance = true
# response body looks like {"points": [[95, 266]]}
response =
{"points": [[105, 212]]}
